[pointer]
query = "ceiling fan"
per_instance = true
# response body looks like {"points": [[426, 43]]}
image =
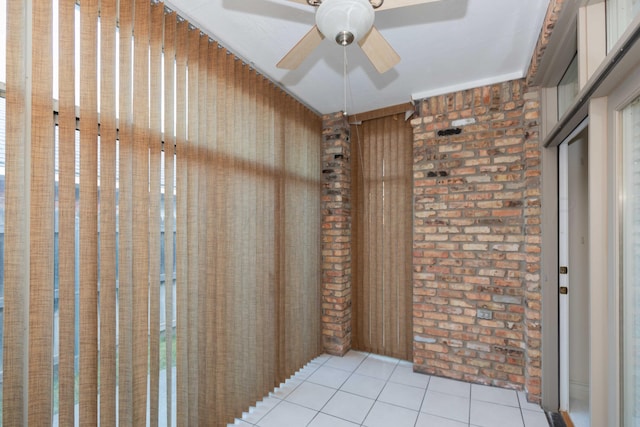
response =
{"points": [[348, 21]]}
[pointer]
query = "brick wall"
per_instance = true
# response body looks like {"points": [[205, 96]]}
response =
{"points": [[476, 237], [336, 235]]}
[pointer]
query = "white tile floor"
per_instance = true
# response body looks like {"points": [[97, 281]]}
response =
{"points": [[362, 389]]}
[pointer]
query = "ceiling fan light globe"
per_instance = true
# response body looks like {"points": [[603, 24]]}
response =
{"points": [[337, 19]]}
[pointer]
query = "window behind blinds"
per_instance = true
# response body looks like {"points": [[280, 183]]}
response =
{"points": [[159, 221]]}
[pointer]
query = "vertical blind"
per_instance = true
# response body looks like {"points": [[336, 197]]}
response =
{"points": [[182, 277], [382, 214]]}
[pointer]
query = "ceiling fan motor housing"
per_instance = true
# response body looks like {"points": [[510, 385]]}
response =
{"points": [[345, 20]]}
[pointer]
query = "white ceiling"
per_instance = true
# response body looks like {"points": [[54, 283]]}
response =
{"points": [[445, 46]]}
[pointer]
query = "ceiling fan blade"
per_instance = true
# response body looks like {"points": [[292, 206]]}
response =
{"points": [[379, 51], [301, 50], [300, 1], [393, 4]]}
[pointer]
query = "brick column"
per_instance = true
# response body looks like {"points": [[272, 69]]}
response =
{"points": [[532, 217], [336, 234]]}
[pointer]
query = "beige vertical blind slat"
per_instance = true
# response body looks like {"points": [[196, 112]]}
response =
{"points": [[299, 261], [391, 186], [369, 285], [262, 280], [220, 212], [390, 320], [279, 121], [250, 97], [374, 269], [169, 176], [292, 223], [232, 288], [243, 154], [107, 213], [202, 209], [313, 197], [273, 235], [16, 273], [155, 158], [209, 342], [256, 281], [287, 296], [386, 254], [375, 210], [398, 224], [248, 170], [67, 211], [88, 214], [261, 268], [356, 211], [181, 225], [364, 291], [244, 217], [309, 263], [266, 190], [379, 252], [192, 224], [140, 173], [227, 242], [370, 272], [272, 238], [359, 230], [278, 318], [125, 221], [236, 226], [41, 220], [313, 143]]}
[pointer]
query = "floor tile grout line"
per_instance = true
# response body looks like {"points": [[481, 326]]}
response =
{"points": [[386, 381], [424, 394], [520, 406], [285, 382], [320, 410], [378, 395], [350, 375], [336, 390]]}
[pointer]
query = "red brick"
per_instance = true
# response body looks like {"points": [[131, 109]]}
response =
{"points": [[488, 241]]}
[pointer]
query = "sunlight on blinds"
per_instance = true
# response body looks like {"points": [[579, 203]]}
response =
{"points": [[162, 239]]}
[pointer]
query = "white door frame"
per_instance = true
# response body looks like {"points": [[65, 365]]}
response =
{"points": [[563, 279], [563, 261]]}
